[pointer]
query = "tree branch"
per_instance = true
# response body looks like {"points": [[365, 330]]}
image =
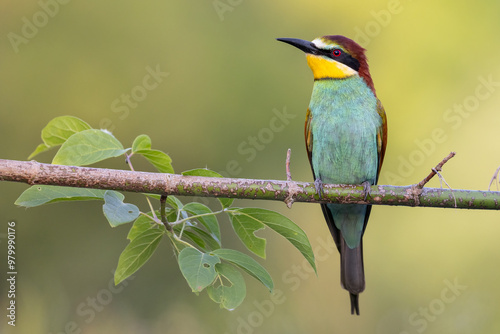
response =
{"points": [[34, 173]]}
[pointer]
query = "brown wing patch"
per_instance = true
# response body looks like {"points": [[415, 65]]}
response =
{"points": [[308, 135], [381, 135]]}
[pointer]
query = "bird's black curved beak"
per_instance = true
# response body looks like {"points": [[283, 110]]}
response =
{"points": [[306, 46]]}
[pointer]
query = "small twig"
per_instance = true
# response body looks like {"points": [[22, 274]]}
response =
{"points": [[152, 209], [287, 165], [441, 180], [435, 171], [128, 161], [293, 191], [187, 219], [495, 177], [163, 199]]}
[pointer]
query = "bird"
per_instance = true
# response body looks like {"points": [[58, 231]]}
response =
{"points": [[346, 138]]}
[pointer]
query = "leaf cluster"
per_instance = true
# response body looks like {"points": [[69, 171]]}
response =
{"points": [[192, 228]]}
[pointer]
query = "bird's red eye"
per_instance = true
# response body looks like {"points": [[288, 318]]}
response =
{"points": [[337, 52]]}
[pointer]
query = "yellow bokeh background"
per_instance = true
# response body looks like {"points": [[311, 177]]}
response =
{"points": [[427, 270]]}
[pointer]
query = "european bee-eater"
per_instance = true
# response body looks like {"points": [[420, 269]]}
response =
{"points": [[346, 136]]}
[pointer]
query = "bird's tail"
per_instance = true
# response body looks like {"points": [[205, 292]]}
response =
{"points": [[352, 275]]}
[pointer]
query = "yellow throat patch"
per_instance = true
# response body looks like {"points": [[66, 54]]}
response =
{"points": [[323, 68]]}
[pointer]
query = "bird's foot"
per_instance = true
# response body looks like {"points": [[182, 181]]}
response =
{"points": [[318, 184], [366, 188]]}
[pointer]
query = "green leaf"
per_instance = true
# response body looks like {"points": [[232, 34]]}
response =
{"points": [[225, 202], [201, 172], [174, 202], [210, 242], [42, 194], [245, 227], [209, 221], [39, 149], [204, 240], [246, 263], [88, 147], [137, 252], [159, 159], [116, 211], [171, 215], [195, 239], [58, 130], [140, 225], [281, 225], [232, 289], [142, 142], [198, 268], [155, 196]]}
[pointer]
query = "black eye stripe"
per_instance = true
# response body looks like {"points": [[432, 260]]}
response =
{"points": [[343, 58]]}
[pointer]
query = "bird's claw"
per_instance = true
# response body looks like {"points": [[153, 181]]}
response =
{"points": [[318, 184], [366, 188]]}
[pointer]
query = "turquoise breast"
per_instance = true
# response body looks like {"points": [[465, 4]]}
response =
{"points": [[344, 126]]}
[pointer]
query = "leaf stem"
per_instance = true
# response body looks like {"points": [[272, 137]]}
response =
{"points": [[180, 221]]}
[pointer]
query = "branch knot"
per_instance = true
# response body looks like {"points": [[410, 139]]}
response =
{"points": [[293, 190]]}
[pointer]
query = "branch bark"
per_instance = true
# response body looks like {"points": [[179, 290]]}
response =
{"points": [[33, 173]]}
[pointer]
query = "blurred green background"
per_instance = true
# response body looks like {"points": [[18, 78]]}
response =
{"points": [[226, 75]]}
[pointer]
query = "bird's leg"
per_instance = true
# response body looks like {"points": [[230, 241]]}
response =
{"points": [[366, 188], [318, 184]]}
